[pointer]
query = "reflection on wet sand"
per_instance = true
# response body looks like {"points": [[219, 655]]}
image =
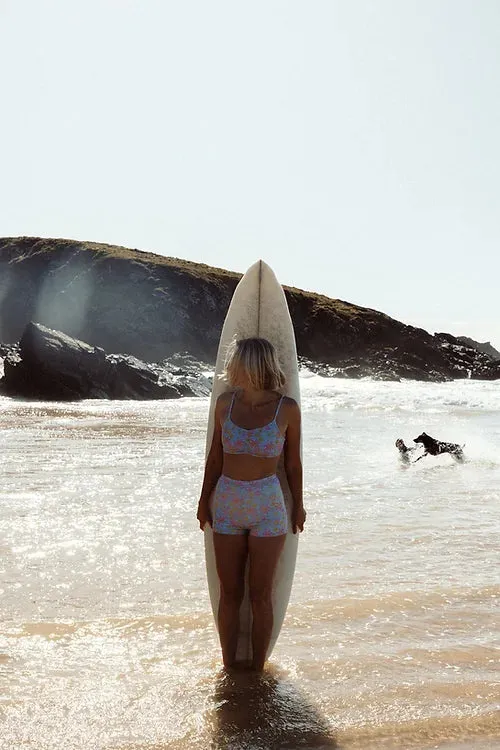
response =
{"points": [[245, 711], [264, 711]]}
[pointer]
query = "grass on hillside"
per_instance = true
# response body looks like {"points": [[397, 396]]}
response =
{"points": [[40, 246]]}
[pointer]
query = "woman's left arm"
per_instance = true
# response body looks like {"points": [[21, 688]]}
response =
{"points": [[293, 465]]}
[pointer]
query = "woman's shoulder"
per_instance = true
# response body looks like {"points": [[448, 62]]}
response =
{"points": [[222, 405], [290, 404], [224, 399]]}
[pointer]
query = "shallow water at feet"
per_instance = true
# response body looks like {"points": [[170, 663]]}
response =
{"points": [[392, 633]]}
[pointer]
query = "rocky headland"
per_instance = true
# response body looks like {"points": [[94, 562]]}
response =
{"points": [[127, 309]]}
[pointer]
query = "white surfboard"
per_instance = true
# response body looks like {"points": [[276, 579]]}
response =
{"points": [[258, 308]]}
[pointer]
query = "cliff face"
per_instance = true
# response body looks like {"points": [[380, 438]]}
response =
{"points": [[150, 306], [121, 300]]}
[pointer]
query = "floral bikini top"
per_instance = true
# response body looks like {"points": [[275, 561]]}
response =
{"points": [[261, 442]]}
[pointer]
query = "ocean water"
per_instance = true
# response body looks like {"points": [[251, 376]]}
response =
{"points": [[392, 637]]}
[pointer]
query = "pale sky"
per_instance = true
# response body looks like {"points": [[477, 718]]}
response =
{"points": [[353, 145]]}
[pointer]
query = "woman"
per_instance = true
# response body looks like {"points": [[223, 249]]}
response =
{"points": [[252, 426]]}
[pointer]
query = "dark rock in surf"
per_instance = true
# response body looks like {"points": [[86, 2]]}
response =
{"points": [[484, 347], [188, 374], [51, 365], [6, 349], [468, 361]]}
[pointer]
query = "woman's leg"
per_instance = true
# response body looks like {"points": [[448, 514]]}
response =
{"points": [[230, 556], [264, 554]]}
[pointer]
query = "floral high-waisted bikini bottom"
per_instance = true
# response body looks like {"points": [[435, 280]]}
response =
{"points": [[255, 506]]}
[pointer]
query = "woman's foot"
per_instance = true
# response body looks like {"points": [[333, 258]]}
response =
{"points": [[257, 667], [244, 667]]}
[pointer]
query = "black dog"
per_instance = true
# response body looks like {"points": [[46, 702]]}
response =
{"points": [[435, 447]]}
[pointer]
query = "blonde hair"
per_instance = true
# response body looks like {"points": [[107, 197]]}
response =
{"points": [[259, 361]]}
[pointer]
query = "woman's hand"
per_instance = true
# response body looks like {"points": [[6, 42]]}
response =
{"points": [[204, 516], [298, 519]]}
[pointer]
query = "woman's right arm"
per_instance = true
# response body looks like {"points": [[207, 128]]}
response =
{"points": [[213, 470]]}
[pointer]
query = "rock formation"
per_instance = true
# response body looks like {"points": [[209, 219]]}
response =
{"points": [[152, 307], [484, 347], [51, 365]]}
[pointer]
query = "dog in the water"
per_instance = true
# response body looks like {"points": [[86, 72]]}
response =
{"points": [[435, 447], [404, 451]]}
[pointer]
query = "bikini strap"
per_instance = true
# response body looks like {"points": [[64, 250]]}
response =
{"points": [[278, 408], [231, 405]]}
